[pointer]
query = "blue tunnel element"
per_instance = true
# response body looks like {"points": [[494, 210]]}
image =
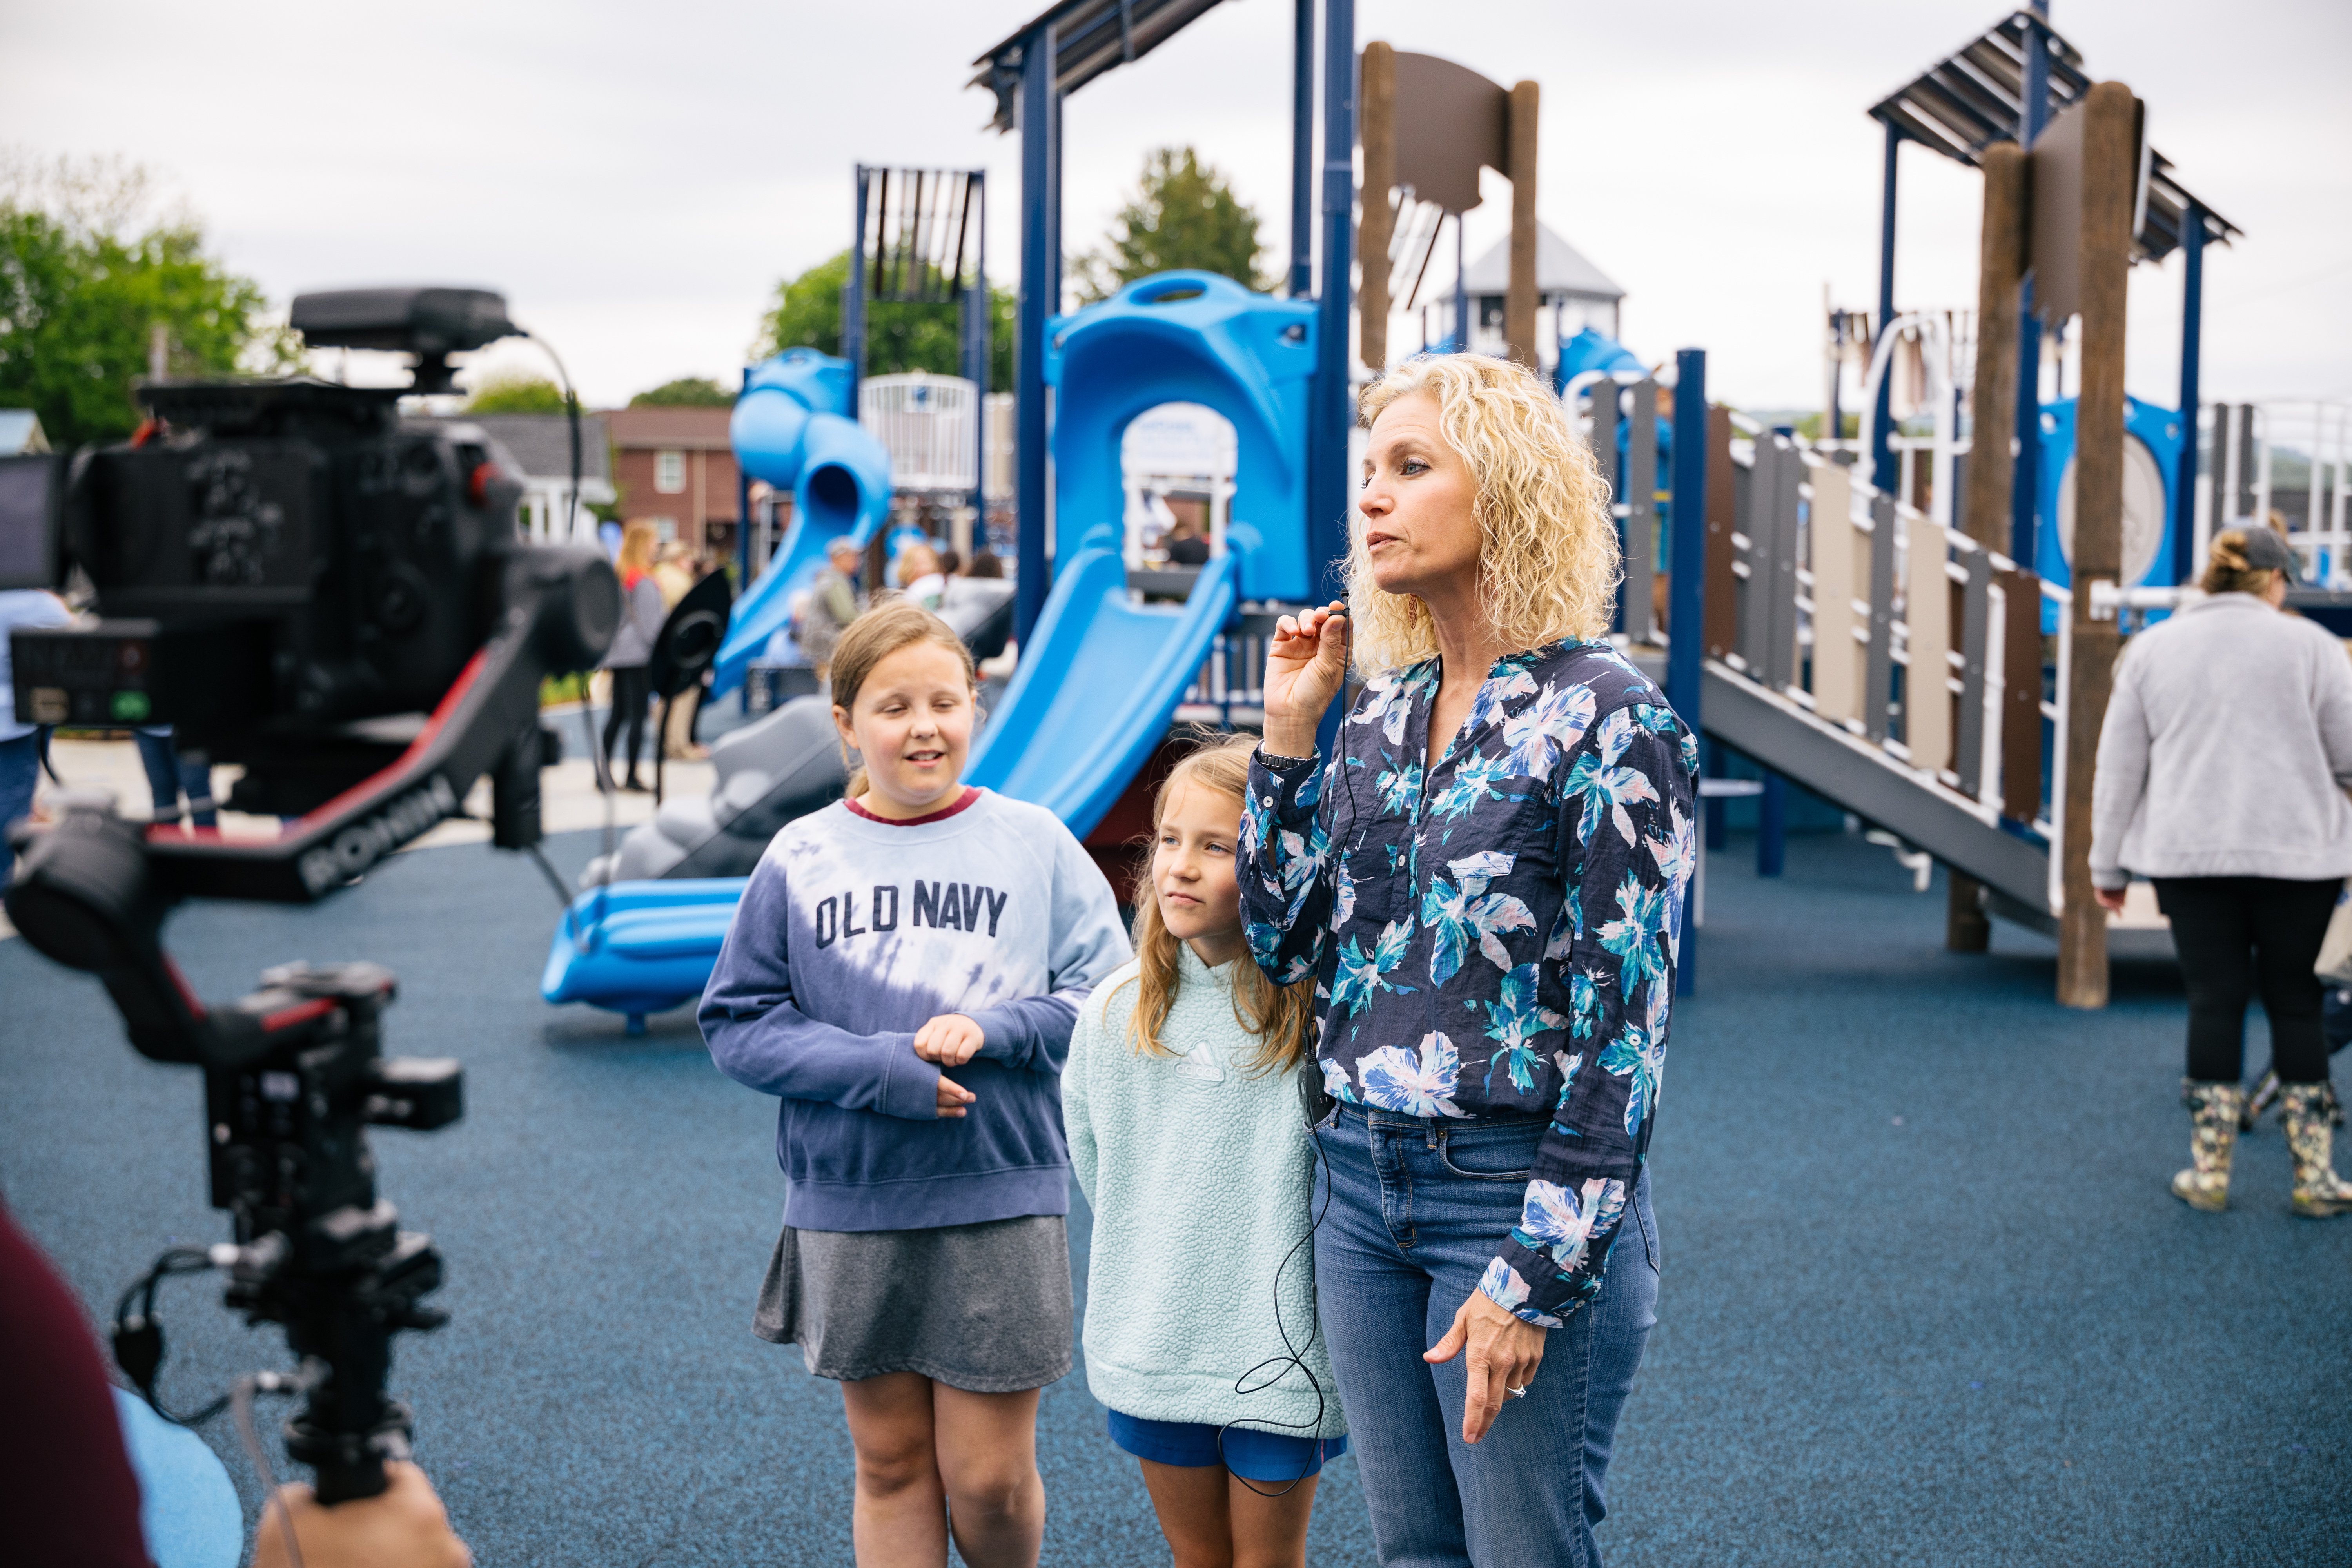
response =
{"points": [[1188, 337], [2152, 437], [793, 429]]}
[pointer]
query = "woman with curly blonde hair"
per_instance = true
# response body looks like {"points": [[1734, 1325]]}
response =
{"points": [[1486, 885]]}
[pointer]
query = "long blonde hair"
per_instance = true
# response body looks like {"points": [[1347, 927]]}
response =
{"points": [[892, 624], [639, 541], [1547, 561], [1280, 1016]]}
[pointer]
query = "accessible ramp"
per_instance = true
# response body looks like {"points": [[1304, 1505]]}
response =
{"points": [[1097, 687]]}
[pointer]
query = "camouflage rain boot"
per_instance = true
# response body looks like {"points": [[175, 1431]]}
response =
{"points": [[2319, 1191], [2212, 1134]]}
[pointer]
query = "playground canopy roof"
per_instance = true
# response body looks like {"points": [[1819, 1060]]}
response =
{"points": [[1090, 37], [1962, 105], [1560, 269]]}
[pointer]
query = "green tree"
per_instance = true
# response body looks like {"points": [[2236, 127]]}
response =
{"points": [[87, 276], [1183, 214], [516, 394], [898, 337], [685, 392]]}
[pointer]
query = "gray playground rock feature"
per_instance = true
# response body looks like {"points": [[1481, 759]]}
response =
{"points": [[776, 769]]}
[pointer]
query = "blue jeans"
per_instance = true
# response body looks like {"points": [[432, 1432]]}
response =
{"points": [[20, 771], [169, 774], [1417, 1208]]}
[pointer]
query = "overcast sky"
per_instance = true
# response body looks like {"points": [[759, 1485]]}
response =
{"points": [[635, 178]]}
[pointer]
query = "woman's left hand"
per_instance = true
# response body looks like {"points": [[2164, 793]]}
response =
{"points": [[951, 1039], [2110, 899], [1504, 1351]]}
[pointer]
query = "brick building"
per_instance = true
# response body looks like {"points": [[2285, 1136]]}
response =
{"points": [[674, 468]]}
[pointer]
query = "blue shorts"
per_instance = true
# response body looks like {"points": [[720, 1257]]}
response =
{"points": [[1249, 1453]]}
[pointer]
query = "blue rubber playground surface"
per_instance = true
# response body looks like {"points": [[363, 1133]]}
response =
{"points": [[1926, 1297]]}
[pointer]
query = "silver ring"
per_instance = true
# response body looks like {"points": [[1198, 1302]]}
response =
{"points": [[1515, 1392]]}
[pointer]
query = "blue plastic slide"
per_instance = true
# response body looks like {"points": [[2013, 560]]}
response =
{"points": [[793, 429], [640, 947], [1096, 688]]}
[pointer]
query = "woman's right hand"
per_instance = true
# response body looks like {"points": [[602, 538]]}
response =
{"points": [[1305, 665], [954, 1097]]}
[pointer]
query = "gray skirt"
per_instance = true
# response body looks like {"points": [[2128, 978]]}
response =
{"points": [[984, 1308]]}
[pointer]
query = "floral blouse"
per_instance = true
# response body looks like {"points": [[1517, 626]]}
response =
{"points": [[1496, 937]]}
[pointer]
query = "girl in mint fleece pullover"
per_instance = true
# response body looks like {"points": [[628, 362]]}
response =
{"points": [[1181, 1097], [903, 973]]}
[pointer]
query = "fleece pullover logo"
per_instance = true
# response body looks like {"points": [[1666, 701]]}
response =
{"points": [[945, 905]]}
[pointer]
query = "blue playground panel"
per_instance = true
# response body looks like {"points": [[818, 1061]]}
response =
{"points": [[1187, 337], [640, 947], [2157, 430], [1101, 676], [793, 428]]}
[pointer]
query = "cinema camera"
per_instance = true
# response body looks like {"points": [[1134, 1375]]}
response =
{"points": [[300, 584]]}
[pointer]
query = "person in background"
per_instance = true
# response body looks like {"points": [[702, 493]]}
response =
{"points": [[986, 565], [830, 604], [1186, 545], [1180, 1098], [2222, 764], [631, 657], [951, 563], [172, 773], [921, 577], [677, 570], [674, 572], [20, 741]]}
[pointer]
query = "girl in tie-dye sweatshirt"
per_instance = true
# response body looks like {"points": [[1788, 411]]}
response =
{"points": [[903, 973]]}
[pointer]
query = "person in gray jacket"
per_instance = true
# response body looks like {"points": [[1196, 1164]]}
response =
{"points": [[631, 655], [2221, 771]]}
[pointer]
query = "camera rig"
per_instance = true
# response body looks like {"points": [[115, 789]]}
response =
{"points": [[294, 1073]]}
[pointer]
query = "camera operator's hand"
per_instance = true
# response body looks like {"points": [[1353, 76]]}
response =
{"points": [[404, 1526], [951, 1039]]}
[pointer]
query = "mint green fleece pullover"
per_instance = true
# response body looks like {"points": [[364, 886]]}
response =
{"points": [[1201, 1178]]}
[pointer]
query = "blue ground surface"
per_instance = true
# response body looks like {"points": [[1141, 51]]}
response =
{"points": [[1925, 1298]]}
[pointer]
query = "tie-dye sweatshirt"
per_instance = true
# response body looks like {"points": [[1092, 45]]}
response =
{"points": [[852, 934]]}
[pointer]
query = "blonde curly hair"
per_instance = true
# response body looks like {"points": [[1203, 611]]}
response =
{"points": [[1547, 563]]}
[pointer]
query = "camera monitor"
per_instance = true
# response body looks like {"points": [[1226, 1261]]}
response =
{"points": [[32, 503]]}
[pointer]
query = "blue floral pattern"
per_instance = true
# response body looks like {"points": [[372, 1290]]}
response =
{"points": [[1481, 928]]}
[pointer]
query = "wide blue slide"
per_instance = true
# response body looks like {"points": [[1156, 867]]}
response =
{"points": [[1095, 691]]}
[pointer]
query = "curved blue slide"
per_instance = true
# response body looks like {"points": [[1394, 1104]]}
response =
{"points": [[1096, 688], [794, 429]]}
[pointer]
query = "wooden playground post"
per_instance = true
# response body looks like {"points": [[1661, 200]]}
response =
{"points": [[1376, 230], [1986, 496], [2110, 167], [1519, 295]]}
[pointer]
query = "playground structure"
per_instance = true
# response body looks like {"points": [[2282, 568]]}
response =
{"points": [[1937, 676]]}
